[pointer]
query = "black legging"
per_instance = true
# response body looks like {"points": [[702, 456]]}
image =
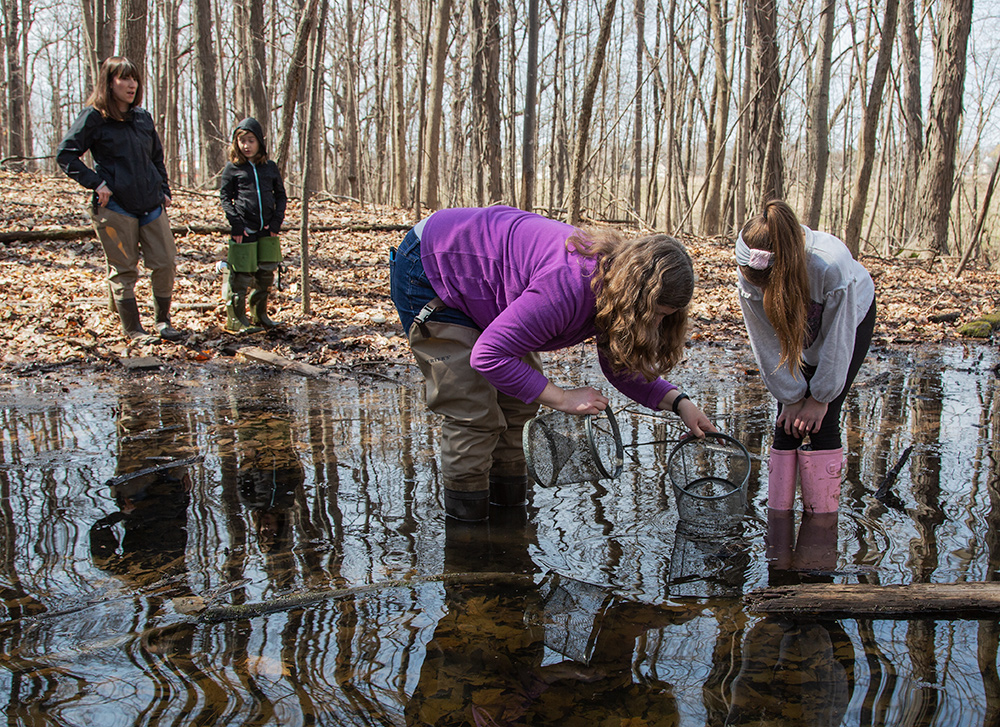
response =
{"points": [[828, 436]]}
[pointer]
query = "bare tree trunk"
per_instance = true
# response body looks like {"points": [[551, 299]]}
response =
{"points": [[637, 165], [740, 206], [168, 84], [402, 182], [912, 111], [435, 112], [490, 112], [478, 100], [14, 147], [297, 63], [315, 124], [586, 111], [99, 30], [936, 181], [252, 77], [712, 213], [817, 123], [133, 18], [307, 132], [869, 129], [766, 125], [530, 130], [557, 154], [351, 131], [212, 137]]}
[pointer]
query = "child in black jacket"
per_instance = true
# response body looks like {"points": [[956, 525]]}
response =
{"points": [[253, 198]]}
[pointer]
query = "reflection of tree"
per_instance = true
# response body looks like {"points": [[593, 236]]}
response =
{"points": [[989, 629], [925, 476]]}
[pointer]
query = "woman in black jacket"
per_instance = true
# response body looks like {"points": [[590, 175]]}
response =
{"points": [[253, 198], [130, 192]]}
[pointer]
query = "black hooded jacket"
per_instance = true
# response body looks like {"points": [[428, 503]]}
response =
{"points": [[128, 157], [253, 195]]}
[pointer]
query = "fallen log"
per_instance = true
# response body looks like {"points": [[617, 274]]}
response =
{"points": [[863, 600], [252, 353], [44, 234]]}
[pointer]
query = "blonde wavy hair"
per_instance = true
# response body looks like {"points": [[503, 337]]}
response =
{"points": [[632, 277], [786, 282]]}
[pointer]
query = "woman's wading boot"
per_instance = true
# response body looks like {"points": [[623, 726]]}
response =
{"points": [[782, 468], [468, 505], [508, 490], [128, 312], [161, 318], [819, 472]]}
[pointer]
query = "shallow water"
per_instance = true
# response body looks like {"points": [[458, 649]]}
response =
{"points": [[596, 606]]}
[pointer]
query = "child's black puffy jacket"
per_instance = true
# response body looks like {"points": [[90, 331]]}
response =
{"points": [[253, 195]]}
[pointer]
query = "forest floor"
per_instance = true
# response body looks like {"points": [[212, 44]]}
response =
{"points": [[54, 310]]}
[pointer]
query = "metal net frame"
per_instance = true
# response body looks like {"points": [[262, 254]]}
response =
{"points": [[709, 476], [563, 449]]}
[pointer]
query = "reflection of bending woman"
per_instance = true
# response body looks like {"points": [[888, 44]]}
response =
{"points": [[131, 192]]}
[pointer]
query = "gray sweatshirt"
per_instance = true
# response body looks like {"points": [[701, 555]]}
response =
{"points": [[842, 291]]}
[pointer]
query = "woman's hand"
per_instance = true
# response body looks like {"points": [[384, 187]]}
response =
{"points": [[585, 400], [103, 194]]}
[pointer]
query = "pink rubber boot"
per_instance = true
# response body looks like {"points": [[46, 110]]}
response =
{"points": [[782, 466], [820, 471]]}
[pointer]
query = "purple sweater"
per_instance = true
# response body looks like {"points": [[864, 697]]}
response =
{"points": [[510, 272]]}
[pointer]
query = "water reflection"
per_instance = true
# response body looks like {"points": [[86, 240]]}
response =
{"points": [[593, 604]]}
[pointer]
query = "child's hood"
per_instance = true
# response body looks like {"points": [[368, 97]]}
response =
{"points": [[253, 126]]}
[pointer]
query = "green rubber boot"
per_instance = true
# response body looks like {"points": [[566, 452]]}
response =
{"points": [[258, 298], [236, 306]]}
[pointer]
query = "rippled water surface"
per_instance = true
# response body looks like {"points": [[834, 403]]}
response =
{"points": [[306, 516]]}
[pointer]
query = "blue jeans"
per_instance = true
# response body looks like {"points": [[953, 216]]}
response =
{"points": [[411, 290]]}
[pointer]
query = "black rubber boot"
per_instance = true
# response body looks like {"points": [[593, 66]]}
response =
{"points": [[509, 490], [161, 317], [258, 299], [236, 306], [128, 312], [467, 506]]}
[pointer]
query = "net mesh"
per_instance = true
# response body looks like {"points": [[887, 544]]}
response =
{"points": [[561, 448], [571, 615], [709, 476]]}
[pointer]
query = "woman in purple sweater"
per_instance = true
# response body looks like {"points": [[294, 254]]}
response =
{"points": [[481, 291]]}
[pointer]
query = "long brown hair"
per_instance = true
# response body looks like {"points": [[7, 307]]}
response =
{"points": [[631, 278], [101, 97], [786, 282], [236, 155]]}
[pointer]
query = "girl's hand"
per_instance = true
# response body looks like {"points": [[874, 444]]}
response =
{"points": [[809, 417], [103, 194], [237, 238], [584, 400], [166, 201], [786, 419], [695, 419]]}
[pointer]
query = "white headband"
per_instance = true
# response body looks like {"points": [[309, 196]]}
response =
{"points": [[752, 257]]}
